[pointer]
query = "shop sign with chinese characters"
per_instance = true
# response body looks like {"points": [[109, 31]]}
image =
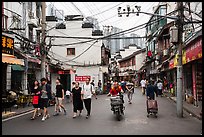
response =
{"points": [[7, 45], [82, 78], [194, 51]]}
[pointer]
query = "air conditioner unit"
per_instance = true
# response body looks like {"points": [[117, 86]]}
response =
{"points": [[165, 52], [155, 52], [157, 57], [31, 14], [15, 18]]}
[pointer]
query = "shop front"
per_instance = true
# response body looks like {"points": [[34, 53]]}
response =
{"points": [[10, 64], [192, 64], [172, 75]]}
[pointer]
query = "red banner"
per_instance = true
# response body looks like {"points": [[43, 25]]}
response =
{"points": [[171, 64], [82, 78], [63, 72], [194, 51], [194, 81]]}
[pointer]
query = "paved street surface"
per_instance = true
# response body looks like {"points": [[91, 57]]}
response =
{"points": [[103, 122]]}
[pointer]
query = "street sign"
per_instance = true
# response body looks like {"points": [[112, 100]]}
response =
{"points": [[7, 45], [82, 78]]}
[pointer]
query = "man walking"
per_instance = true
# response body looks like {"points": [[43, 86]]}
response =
{"points": [[150, 91], [59, 98], [45, 96], [86, 94], [143, 85], [160, 87], [130, 91], [100, 87]]}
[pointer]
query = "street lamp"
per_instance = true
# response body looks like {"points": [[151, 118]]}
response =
{"points": [[173, 34], [119, 15], [138, 8]]}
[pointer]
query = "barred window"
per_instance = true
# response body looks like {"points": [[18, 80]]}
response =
{"points": [[70, 51]]}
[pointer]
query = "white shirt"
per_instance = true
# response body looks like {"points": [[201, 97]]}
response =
{"points": [[86, 91], [159, 85], [68, 92], [143, 83]]}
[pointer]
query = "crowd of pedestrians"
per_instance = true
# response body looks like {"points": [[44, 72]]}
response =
{"points": [[81, 95]]}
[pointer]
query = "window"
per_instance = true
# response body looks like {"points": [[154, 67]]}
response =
{"points": [[30, 33], [38, 36], [70, 51], [163, 10], [133, 61], [4, 22], [30, 6], [61, 26]]}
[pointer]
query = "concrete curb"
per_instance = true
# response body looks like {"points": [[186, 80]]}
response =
{"points": [[11, 114], [186, 109]]}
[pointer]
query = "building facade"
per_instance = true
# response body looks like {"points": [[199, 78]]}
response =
{"points": [[130, 65], [21, 37], [162, 55], [79, 56]]}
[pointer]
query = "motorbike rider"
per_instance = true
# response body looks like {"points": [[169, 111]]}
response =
{"points": [[115, 90]]}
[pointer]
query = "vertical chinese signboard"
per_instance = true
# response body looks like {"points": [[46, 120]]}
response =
{"points": [[7, 45], [194, 81]]}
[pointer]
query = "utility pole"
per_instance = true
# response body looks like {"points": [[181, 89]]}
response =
{"points": [[43, 45], [179, 99], [179, 22]]}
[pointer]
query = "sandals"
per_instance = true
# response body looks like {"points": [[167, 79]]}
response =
{"points": [[39, 114], [32, 118]]}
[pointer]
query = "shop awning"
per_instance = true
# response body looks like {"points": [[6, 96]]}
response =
{"points": [[17, 68], [10, 59]]}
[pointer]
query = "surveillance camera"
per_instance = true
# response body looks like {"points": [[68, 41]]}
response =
{"points": [[119, 8], [128, 8]]}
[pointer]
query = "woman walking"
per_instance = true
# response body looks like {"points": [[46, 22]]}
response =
{"points": [[76, 99], [36, 98]]}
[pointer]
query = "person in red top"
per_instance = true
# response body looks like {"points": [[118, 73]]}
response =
{"points": [[115, 89]]}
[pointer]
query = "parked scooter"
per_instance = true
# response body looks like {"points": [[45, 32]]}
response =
{"points": [[117, 106]]}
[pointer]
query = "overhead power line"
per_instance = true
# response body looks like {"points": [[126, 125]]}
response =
{"points": [[105, 37]]}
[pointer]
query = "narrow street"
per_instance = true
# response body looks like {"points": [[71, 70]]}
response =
{"points": [[49, 49], [103, 122]]}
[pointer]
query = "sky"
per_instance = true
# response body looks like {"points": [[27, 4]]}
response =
{"points": [[107, 13]]}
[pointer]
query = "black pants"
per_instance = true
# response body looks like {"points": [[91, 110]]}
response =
{"points": [[87, 103], [159, 91]]}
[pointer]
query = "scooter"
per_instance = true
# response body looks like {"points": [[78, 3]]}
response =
{"points": [[117, 106]]}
